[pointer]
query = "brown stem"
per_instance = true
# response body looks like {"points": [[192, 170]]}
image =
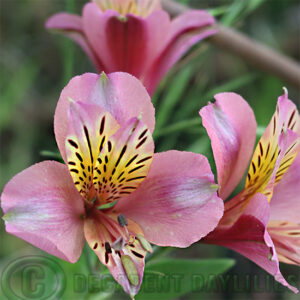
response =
{"points": [[254, 53]]}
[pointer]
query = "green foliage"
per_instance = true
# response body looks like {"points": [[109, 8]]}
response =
{"points": [[15, 88], [239, 9], [233, 12], [173, 96], [171, 278], [68, 53]]}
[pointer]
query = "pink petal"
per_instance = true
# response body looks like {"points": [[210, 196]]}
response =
{"points": [[148, 6], [249, 237], [95, 30], [263, 177], [285, 235], [231, 126], [275, 151], [267, 183], [124, 162], [285, 204], [71, 26], [158, 28], [89, 129], [64, 21], [289, 146], [289, 115], [120, 94], [42, 207], [126, 41], [186, 30], [177, 204], [128, 45]]}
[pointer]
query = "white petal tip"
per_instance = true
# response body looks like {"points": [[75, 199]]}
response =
{"points": [[71, 100], [285, 91]]}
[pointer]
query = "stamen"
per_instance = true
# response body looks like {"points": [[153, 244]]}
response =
{"points": [[145, 244], [107, 247], [118, 244], [112, 227], [122, 220], [130, 270]]}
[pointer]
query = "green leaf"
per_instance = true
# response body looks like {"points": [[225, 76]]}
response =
{"points": [[232, 85], [172, 278], [51, 155], [254, 4], [269, 89], [239, 9], [175, 91], [234, 12], [176, 127], [217, 11], [201, 145]]}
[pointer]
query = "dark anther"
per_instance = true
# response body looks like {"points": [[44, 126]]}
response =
{"points": [[107, 247], [122, 220], [137, 254]]}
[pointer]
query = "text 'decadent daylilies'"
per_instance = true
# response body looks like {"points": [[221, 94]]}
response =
{"points": [[262, 222], [108, 192], [133, 36]]}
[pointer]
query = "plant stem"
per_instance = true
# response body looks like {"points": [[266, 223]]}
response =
{"points": [[178, 127]]}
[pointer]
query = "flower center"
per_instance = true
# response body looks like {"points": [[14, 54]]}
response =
{"points": [[141, 8], [115, 232], [117, 241], [107, 163]]}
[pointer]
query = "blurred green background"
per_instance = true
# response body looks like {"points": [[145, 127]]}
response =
{"points": [[36, 65]]}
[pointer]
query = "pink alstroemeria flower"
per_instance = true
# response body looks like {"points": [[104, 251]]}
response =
{"points": [[133, 36], [262, 222], [103, 128]]}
